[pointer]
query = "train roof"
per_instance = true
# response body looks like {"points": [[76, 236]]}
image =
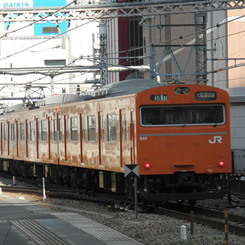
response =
{"points": [[237, 95], [126, 87], [52, 100], [59, 99]]}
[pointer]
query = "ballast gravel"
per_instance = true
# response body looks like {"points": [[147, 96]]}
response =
{"points": [[149, 229]]}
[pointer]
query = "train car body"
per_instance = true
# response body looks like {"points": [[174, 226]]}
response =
{"points": [[191, 142], [237, 103], [178, 135]]}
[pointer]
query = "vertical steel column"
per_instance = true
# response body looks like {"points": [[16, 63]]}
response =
{"points": [[201, 49], [152, 62], [103, 51]]}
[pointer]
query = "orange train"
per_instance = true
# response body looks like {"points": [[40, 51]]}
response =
{"points": [[178, 135]]}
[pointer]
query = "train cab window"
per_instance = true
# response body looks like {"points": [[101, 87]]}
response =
{"points": [[43, 130], [59, 131], [12, 132], [91, 128], [32, 132], [182, 115], [22, 131], [74, 128], [111, 128]]}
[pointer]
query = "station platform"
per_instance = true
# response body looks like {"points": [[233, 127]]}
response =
{"points": [[24, 223]]}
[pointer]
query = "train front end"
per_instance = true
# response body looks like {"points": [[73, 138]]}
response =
{"points": [[183, 142]]}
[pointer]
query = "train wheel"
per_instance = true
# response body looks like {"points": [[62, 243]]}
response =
{"points": [[74, 178], [55, 176], [120, 183], [65, 175]]}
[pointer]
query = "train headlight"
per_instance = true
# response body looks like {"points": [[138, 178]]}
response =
{"points": [[221, 163], [147, 165]]}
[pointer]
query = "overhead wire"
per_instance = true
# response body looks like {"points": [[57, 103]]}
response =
{"points": [[36, 21], [194, 33], [166, 41]]}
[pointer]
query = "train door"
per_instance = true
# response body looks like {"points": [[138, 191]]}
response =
{"points": [[27, 138], [1, 138], [12, 139], [17, 138], [49, 138], [8, 143], [81, 138], [37, 139], [100, 135], [124, 148], [132, 136], [65, 137], [101, 138]]}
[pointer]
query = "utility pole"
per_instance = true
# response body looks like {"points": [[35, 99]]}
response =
{"points": [[201, 49]]}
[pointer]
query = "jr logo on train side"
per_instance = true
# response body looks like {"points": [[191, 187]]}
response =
{"points": [[216, 139]]}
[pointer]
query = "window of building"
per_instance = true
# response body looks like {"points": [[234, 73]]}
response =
{"points": [[135, 40], [111, 128], [43, 130], [91, 128], [50, 29], [55, 62], [74, 128]]}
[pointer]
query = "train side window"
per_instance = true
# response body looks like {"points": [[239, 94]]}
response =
{"points": [[101, 128], [111, 128], [124, 128], [74, 128], [12, 132], [59, 129], [32, 132], [91, 128], [4, 132], [22, 131], [43, 130]]}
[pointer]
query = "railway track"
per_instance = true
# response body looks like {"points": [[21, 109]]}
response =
{"points": [[53, 190], [205, 216], [213, 218], [69, 194], [20, 189]]}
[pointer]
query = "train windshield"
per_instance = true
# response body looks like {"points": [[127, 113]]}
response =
{"points": [[182, 115]]}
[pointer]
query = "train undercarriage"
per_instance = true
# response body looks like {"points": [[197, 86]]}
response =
{"points": [[185, 186], [179, 186]]}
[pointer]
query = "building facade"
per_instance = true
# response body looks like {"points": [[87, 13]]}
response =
{"points": [[168, 44], [46, 44]]}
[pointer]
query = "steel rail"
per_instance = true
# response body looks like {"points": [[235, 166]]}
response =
{"points": [[209, 217], [19, 189]]}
